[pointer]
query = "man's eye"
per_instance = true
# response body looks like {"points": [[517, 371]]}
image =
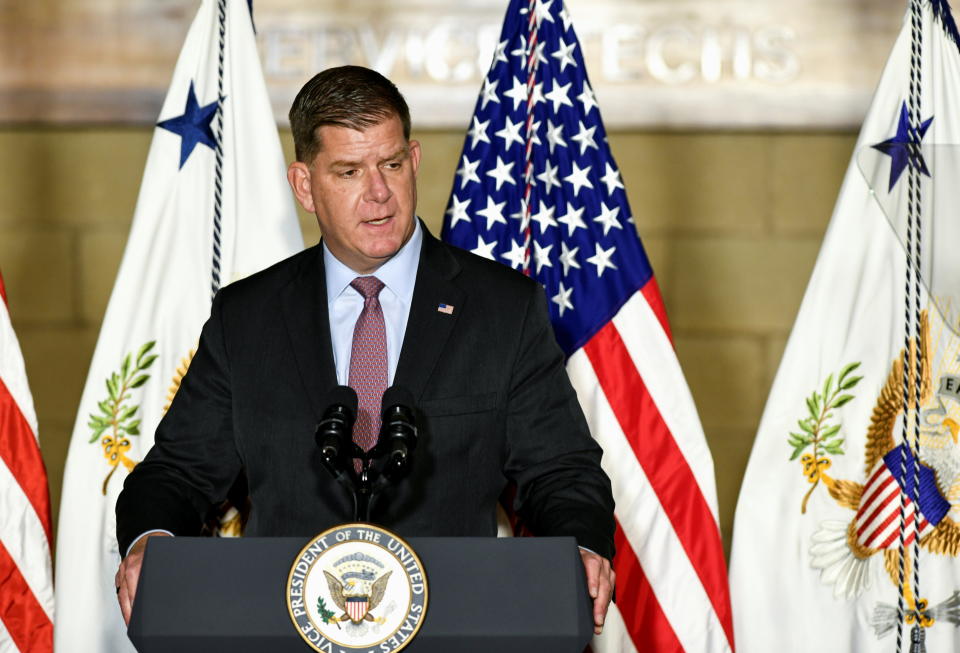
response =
{"points": [[346, 174], [393, 165]]}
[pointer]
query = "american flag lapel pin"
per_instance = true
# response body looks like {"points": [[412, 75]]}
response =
{"points": [[445, 308]]}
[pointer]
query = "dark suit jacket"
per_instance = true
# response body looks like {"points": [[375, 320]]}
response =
{"points": [[494, 400]]}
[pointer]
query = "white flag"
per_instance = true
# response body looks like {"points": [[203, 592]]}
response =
{"points": [[816, 546], [183, 230]]}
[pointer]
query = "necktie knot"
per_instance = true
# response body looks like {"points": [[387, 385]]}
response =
{"points": [[367, 286]]}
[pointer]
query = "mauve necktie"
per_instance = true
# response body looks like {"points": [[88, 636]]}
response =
{"points": [[368, 362]]}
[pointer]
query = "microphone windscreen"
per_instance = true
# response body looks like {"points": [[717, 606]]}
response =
{"points": [[342, 395], [397, 395]]}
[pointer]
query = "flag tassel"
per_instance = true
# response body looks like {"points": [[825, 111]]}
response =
{"points": [[917, 643]]}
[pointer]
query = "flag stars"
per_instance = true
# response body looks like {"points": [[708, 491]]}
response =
{"points": [[489, 92], [518, 93], [542, 256], [608, 218], [458, 211], [193, 125], [555, 135], [535, 133], [516, 256], [565, 17], [484, 248], [500, 54], [478, 132], [562, 299], [468, 171], [601, 259], [542, 11], [578, 178], [549, 177], [538, 93], [493, 212], [568, 258], [544, 217], [539, 52], [502, 173], [587, 99], [510, 134], [559, 95], [521, 215], [522, 50], [585, 138], [565, 54], [611, 178], [573, 219]]}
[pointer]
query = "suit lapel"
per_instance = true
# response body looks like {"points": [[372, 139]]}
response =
{"points": [[427, 328], [304, 305]]}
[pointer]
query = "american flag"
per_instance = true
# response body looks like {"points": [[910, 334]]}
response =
{"points": [[537, 189], [26, 575]]}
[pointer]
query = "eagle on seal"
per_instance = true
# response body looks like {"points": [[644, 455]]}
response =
{"points": [[369, 601], [841, 550]]}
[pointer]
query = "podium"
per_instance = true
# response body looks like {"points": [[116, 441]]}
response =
{"points": [[507, 595]]}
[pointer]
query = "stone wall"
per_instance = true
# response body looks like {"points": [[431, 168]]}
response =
{"points": [[732, 223]]}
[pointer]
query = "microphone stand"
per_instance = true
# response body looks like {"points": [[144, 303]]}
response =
{"points": [[367, 485]]}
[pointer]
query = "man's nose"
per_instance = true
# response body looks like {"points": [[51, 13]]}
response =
{"points": [[377, 188]]}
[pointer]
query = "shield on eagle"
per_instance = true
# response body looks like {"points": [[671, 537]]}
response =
{"points": [[357, 607]]}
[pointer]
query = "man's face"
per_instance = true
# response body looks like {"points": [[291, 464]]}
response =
{"points": [[362, 188]]}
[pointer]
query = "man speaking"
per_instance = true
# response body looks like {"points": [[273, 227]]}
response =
{"points": [[378, 302]]}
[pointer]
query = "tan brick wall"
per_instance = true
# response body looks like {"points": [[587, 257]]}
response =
{"points": [[732, 223]]}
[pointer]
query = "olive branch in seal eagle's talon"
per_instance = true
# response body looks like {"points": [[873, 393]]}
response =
{"points": [[327, 616], [816, 429]]}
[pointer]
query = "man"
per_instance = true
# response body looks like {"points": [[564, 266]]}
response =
{"points": [[493, 399]]}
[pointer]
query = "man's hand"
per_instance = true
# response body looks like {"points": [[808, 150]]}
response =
{"points": [[600, 580], [128, 575]]}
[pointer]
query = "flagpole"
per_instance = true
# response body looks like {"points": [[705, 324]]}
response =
{"points": [[532, 63], [911, 336], [218, 150]]}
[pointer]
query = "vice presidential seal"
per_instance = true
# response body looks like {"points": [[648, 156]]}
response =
{"points": [[359, 588]]}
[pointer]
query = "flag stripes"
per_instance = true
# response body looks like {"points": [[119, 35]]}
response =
{"points": [[687, 586], [19, 452], [650, 444], [26, 579], [641, 603], [666, 469], [27, 623]]}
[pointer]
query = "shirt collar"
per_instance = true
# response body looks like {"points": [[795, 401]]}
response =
{"points": [[399, 274]]}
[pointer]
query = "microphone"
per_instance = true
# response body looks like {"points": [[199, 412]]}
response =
{"points": [[398, 432], [334, 433]]}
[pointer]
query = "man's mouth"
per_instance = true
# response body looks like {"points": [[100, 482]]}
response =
{"points": [[379, 221]]}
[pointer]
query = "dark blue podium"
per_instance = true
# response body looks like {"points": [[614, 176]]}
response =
{"points": [[502, 595]]}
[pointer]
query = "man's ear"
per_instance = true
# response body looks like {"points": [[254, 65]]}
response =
{"points": [[415, 156], [298, 174]]}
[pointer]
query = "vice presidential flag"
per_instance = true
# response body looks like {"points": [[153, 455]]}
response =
{"points": [[833, 499], [214, 206], [537, 189], [26, 574]]}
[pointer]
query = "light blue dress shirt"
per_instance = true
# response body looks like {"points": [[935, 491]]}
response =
{"points": [[344, 303]]}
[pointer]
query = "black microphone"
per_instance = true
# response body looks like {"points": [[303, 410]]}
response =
{"points": [[398, 432], [334, 433]]}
